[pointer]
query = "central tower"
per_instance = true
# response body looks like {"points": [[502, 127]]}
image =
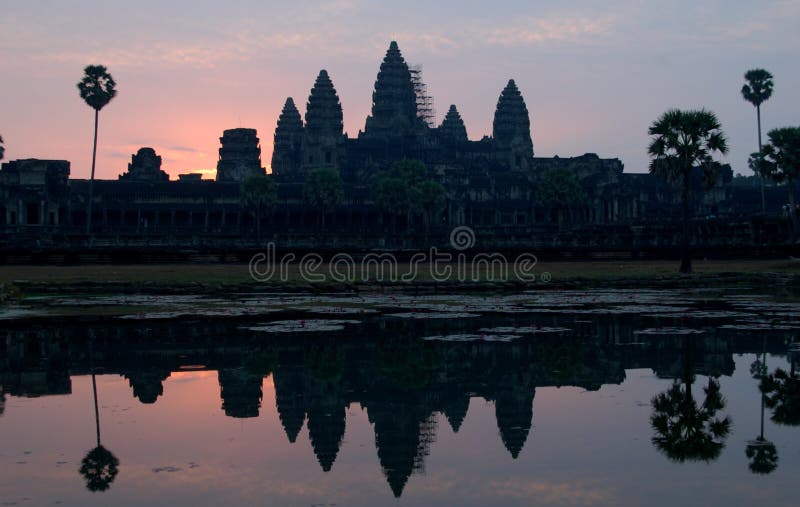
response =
{"points": [[394, 102]]}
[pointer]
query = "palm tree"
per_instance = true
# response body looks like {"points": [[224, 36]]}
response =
{"points": [[681, 141], [97, 88], [323, 191], [258, 195], [2, 148], [756, 91], [99, 467], [779, 160]]}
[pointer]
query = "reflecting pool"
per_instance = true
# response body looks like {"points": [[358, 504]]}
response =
{"points": [[646, 397]]}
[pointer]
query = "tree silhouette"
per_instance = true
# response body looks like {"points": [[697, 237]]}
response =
{"points": [[2, 148], [560, 189], [258, 195], [407, 188], [682, 140], [392, 196], [756, 91], [779, 160], [684, 430], [97, 88], [432, 200], [323, 190], [99, 466]]}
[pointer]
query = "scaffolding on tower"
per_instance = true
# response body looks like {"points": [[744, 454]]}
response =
{"points": [[425, 109]]}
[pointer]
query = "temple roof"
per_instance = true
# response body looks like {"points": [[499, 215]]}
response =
{"points": [[288, 134]]}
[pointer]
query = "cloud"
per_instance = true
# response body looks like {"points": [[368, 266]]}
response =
{"points": [[187, 149], [539, 31]]}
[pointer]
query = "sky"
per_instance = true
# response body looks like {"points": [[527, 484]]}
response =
{"points": [[594, 74]]}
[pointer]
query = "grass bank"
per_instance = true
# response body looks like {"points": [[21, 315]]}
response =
{"points": [[239, 275]]}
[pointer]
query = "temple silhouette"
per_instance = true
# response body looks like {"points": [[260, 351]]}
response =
{"points": [[491, 184]]}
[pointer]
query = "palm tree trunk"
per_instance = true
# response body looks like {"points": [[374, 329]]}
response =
{"points": [[686, 260], [94, 390], [760, 177], [688, 370], [91, 180]]}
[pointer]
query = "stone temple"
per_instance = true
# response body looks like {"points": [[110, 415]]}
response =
{"points": [[493, 185], [395, 130]]}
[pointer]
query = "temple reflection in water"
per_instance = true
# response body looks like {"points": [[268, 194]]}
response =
{"points": [[401, 381]]}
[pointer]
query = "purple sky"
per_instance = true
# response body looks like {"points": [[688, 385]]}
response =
{"points": [[593, 74]]}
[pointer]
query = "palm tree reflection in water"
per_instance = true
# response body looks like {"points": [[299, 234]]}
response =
{"points": [[781, 391], [684, 430], [761, 453], [99, 466]]}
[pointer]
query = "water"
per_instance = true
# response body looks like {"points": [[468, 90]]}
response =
{"points": [[543, 399]]}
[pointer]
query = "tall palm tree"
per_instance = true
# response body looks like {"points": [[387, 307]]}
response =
{"points": [[681, 141], [99, 467], [756, 91], [97, 88]]}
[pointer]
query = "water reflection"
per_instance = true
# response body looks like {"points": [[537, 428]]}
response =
{"points": [[762, 454], [403, 382], [683, 429], [99, 467], [782, 393]]}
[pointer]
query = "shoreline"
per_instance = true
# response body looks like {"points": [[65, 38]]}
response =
{"points": [[16, 281]]}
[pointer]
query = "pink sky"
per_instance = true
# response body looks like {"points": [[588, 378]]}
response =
{"points": [[593, 76]]}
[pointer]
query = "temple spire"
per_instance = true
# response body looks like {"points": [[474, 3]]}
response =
{"points": [[324, 111], [511, 128], [394, 106], [452, 127], [324, 125], [288, 138], [322, 139]]}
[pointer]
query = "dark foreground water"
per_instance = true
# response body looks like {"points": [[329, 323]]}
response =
{"points": [[563, 398]]}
